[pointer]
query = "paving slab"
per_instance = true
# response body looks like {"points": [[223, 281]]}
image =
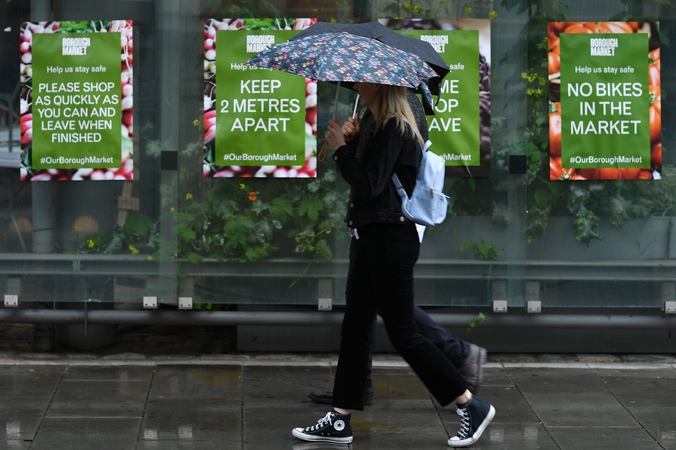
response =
{"points": [[190, 444], [21, 423], [12, 444], [22, 384], [572, 381], [507, 436], [108, 373], [598, 409], [278, 397], [85, 433], [197, 382], [202, 420], [510, 405], [104, 399], [659, 422], [603, 438], [496, 376], [642, 391]]}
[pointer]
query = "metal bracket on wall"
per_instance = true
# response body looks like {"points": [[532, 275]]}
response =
{"points": [[499, 292], [149, 302], [670, 307], [325, 292], [11, 301], [534, 307], [185, 303], [325, 304], [500, 306]]}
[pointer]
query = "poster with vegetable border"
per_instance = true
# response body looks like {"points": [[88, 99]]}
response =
{"points": [[257, 123], [604, 101], [77, 100], [460, 129]]}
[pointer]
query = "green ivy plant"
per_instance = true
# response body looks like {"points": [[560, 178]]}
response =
{"points": [[237, 221], [481, 317], [482, 250], [248, 221]]}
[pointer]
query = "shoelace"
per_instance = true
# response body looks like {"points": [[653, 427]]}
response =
{"points": [[464, 423], [321, 422]]}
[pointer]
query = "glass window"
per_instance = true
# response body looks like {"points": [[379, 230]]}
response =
{"points": [[512, 234]]}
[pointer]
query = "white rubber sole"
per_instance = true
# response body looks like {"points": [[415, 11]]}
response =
{"points": [[477, 434], [298, 432]]}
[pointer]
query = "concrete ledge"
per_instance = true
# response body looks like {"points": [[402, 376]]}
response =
{"points": [[379, 361]]}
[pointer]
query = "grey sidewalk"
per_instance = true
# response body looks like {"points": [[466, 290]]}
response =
{"points": [[133, 401]]}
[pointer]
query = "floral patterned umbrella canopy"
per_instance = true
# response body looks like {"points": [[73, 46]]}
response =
{"points": [[344, 57], [376, 30]]}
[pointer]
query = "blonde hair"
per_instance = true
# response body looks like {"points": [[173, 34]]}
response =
{"points": [[392, 102]]}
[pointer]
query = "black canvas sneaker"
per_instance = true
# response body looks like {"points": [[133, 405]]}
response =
{"points": [[333, 427], [475, 415]]}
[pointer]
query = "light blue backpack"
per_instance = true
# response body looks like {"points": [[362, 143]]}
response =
{"points": [[428, 204]]}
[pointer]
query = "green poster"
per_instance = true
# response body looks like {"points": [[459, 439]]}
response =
{"points": [[604, 101], [76, 101], [260, 114], [454, 128]]}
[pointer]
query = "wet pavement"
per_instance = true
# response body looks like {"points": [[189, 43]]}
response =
{"points": [[252, 401], [160, 387]]}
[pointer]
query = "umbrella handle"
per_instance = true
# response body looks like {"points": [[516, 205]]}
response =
{"points": [[335, 103], [321, 156]]}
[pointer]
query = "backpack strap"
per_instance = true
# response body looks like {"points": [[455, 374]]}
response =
{"points": [[395, 178], [400, 188]]}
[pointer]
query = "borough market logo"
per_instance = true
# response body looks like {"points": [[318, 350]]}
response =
{"points": [[603, 46], [438, 42], [256, 44], [75, 46]]}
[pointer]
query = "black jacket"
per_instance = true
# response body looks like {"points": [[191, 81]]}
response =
{"points": [[373, 197]]}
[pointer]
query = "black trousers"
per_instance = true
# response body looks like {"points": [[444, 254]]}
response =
{"points": [[456, 350], [380, 281]]}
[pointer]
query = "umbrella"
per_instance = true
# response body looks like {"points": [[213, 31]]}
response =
{"points": [[376, 30], [344, 57]]}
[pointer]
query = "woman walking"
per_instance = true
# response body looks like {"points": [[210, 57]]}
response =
{"points": [[383, 252]]}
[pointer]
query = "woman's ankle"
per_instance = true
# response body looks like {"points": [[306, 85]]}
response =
{"points": [[464, 398]]}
